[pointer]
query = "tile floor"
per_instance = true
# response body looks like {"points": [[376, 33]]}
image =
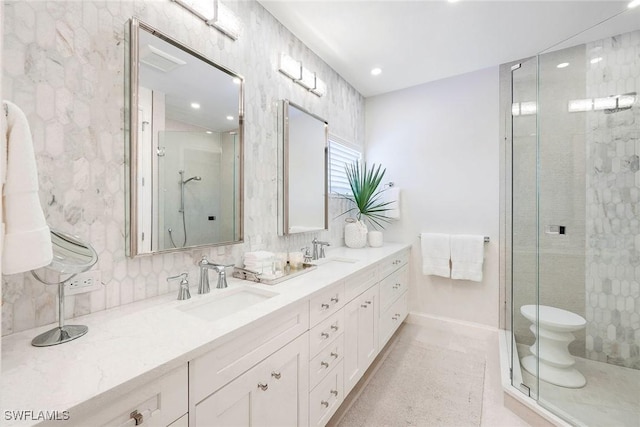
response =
{"points": [[470, 340]]}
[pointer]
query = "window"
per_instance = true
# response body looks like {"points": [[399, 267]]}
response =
{"points": [[340, 154]]}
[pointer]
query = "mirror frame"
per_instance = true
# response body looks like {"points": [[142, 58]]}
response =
{"points": [[284, 173], [131, 137]]}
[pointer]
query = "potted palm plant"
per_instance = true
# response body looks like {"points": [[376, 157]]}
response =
{"points": [[369, 205]]}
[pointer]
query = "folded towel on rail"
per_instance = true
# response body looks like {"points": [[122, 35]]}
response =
{"points": [[436, 253], [467, 257]]}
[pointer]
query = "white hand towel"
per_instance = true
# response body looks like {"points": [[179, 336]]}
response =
{"points": [[392, 195], [467, 257], [435, 254], [27, 239]]}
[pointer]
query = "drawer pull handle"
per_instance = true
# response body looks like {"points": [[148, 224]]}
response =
{"points": [[276, 375], [325, 403], [334, 327], [324, 335], [324, 306], [334, 392], [137, 417], [364, 305], [263, 387], [398, 314], [324, 364], [335, 355], [394, 318], [335, 299], [368, 302]]}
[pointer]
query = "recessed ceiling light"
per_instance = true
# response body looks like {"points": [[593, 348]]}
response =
{"points": [[376, 71], [229, 117], [195, 105], [596, 60], [209, 132], [633, 4], [563, 65], [453, 1]]}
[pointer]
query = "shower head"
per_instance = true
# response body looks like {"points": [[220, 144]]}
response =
{"points": [[196, 178]]}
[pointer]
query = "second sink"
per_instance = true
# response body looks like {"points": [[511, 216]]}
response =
{"points": [[216, 307]]}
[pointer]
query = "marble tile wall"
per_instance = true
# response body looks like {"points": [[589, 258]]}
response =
{"points": [[613, 207], [63, 64]]}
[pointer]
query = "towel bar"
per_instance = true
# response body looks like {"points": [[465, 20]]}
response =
{"points": [[486, 238]]}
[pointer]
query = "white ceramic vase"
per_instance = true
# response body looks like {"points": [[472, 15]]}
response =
{"points": [[355, 234], [375, 238]]}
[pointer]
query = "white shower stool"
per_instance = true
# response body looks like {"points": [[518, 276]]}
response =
{"points": [[555, 334]]}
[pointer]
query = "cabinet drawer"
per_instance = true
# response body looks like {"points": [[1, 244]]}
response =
{"points": [[360, 282], [326, 303], [392, 263], [391, 319], [325, 399], [321, 335], [322, 364], [393, 286], [238, 353], [160, 402]]}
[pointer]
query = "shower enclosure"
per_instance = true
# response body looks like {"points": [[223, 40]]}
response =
{"points": [[572, 220]]}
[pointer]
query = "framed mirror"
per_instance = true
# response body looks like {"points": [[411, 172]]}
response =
{"points": [[302, 171], [185, 153]]}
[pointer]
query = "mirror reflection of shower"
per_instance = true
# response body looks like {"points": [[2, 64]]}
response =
{"points": [[183, 183]]}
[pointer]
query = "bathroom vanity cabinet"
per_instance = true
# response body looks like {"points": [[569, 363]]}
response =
{"points": [[361, 335], [288, 361], [272, 393]]}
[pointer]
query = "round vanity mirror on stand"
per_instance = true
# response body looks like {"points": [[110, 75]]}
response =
{"points": [[70, 256]]}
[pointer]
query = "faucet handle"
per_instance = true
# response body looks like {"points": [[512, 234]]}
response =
{"points": [[204, 261], [307, 255], [183, 292]]}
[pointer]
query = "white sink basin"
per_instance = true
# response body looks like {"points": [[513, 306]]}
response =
{"points": [[323, 261], [216, 307]]}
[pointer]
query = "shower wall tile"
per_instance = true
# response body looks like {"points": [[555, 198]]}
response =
{"points": [[613, 234], [63, 64]]}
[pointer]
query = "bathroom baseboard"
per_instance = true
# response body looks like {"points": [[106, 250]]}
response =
{"points": [[424, 319]]}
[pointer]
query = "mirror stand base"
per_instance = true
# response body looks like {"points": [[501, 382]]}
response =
{"points": [[59, 335]]}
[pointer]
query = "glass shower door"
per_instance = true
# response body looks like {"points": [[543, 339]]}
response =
{"points": [[524, 220]]}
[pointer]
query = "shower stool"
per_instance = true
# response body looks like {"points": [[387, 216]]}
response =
{"points": [[554, 334]]}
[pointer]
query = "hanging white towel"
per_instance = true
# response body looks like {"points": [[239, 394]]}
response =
{"points": [[436, 253], [467, 257], [392, 195], [27, 238]]}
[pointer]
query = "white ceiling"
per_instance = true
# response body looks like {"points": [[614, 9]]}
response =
{"points": [[418, 41]]}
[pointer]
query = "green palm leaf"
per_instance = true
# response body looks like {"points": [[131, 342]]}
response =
{"points": [[366, 196]]}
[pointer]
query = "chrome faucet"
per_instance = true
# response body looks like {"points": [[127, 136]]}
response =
{"points": [[183, 292], [205, 265], [318, 248]]}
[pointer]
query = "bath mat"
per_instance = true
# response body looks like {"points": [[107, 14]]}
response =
{"points": [[420, 384]]}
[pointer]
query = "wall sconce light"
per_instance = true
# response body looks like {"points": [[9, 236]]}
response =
{"points": [[304, 77], [524, 108], [610, 104], [225, 21], [215, 14]]}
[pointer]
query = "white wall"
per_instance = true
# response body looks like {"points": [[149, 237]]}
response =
{"points": [[439, 143]]}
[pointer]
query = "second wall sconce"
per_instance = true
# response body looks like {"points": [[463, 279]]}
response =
{"points": [[303, 76], [215, 14]]}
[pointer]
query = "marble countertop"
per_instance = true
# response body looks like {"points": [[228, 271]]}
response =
{"points": [[131, 345]]}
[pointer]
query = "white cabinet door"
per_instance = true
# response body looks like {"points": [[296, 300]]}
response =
{"points": [[272, 393], [361, 336]]}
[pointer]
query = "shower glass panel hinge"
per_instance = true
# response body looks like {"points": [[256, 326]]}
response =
{"points": [[515, 67]]}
